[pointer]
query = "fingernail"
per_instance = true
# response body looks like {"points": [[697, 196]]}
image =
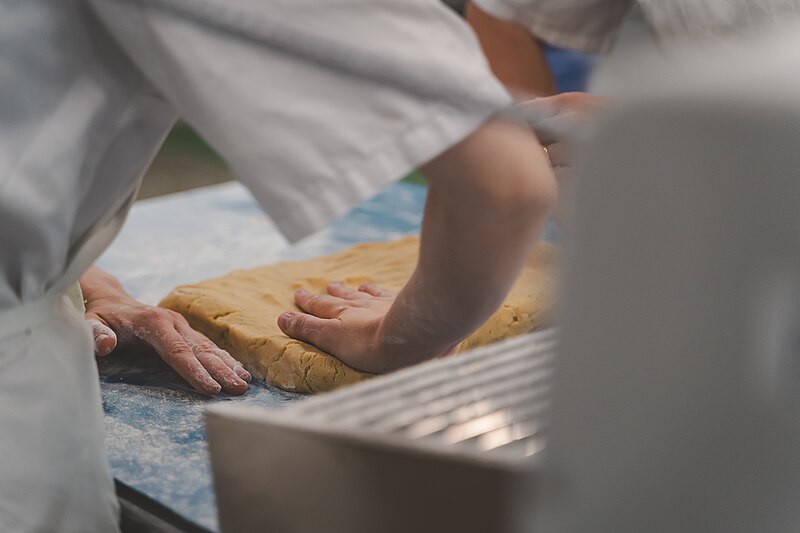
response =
{"points": [[242, 373], [302, 291], [102, 348], [285, 318], [234, 385], [104, 343]]}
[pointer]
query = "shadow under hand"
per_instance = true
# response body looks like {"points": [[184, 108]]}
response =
{"points": [[141, 366]]}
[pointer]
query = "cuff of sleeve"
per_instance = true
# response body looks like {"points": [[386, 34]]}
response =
{"points": [[306, 211], [538, 25]]}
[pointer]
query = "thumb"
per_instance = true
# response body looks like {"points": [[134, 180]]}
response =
{"points": [[105, 340]]}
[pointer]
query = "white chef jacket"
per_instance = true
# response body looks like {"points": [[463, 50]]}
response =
{"points": [[593, 25], [316, 106]]}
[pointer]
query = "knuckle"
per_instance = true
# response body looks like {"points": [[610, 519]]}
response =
{"points": [[172, 315], [152, 314], [222, 353], [206, 346], [179, 349]]}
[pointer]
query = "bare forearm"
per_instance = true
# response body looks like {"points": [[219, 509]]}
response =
{"points": [[486, 207], [515, 56], [488, 200]]}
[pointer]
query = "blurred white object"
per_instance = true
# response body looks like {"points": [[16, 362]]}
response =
{"points": [[676, 406]]}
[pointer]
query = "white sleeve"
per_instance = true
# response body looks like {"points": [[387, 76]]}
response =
{"points": [[315, 105], [590, 25]]}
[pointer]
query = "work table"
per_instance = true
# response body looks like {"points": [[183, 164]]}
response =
{"points": [[154, 421]]}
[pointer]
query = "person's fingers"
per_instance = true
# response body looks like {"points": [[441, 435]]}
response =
{"points": [[542, 107], [346, 293], [321, 305], [210, 357], [219, 370], [374, 290], [105, 340], [578, 102], [308, 328], [159, 332], [196, 339], [234, 365], [543, 116], [552, 117]]}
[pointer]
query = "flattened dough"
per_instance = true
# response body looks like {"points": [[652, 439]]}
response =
{"points": [[239, 311]]}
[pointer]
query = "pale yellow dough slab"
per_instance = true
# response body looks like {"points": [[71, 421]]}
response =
{"points": [[239, 311]]}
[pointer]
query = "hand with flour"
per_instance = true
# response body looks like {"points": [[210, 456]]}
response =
{"points": [[117, 319], [488, 200], [348, 322]]}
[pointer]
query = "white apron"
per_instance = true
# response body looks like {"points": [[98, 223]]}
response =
{"points": [[54, 473], [59, 478]]}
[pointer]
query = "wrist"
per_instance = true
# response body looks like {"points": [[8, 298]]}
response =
{"points": [[97, 285], [405, 337]]}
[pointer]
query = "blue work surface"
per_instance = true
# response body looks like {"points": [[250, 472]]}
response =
{"points": [[154, 421]]}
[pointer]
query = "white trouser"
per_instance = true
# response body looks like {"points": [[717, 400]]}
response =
{"points": [[54, 473]]}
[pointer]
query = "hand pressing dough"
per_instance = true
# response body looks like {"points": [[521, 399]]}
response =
{"points": [[239, 311]]}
